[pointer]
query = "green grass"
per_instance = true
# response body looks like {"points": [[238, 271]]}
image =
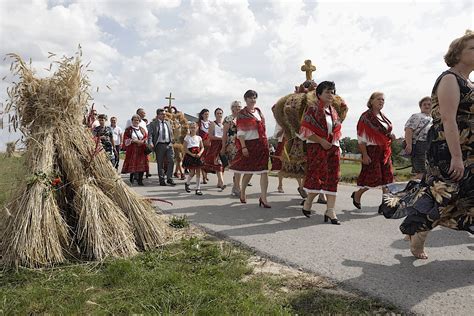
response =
{"points": [[194, 276], [13, 172], [350, 172]]}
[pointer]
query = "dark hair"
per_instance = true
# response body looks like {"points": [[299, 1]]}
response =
{"points": [[102, 116], [423, 100], [159, 111], [201, 114], [140, 109], [218, 109], [250, 94], [324, 86]]}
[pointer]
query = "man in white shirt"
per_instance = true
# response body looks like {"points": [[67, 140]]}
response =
{"points": [[160, 138], [118, 137]]}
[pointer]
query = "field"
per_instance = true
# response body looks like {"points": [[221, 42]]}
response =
{"points": [[197, 275]]}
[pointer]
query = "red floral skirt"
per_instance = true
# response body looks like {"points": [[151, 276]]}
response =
{"points": [[322, 171], [135, 159], [212, 161], [378, 172], [190, 162], [276, 160], [256, 162]]}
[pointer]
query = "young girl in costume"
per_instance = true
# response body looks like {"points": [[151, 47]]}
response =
{"points": [[193, 148]]}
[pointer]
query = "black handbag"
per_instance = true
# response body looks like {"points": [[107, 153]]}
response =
{"points": [[224, 160], [148, 150]]}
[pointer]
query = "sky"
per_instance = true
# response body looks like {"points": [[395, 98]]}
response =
{"points": [[209, 52]]}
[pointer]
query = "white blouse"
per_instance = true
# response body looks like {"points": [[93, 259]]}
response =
{"points": [[192, 141], [253, 133], [218, 130]]}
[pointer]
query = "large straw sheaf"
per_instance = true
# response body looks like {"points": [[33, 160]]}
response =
{"points": [[74, 204], [35, 232]]}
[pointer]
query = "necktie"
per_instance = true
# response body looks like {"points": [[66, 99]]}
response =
{"points": [[164, 137]]}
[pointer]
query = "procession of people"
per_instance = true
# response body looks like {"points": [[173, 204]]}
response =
{"points": [[438, 140]]}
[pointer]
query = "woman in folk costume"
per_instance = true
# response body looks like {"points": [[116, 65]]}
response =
{"points": [[203, 131], [445, 195], [212, 162], [229, 136], [134, 140], [374, 134], [252, 148], [321, 128], [193, 148]]}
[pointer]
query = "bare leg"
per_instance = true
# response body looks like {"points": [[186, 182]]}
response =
{"points": [[264, 187], [237, 182], [280, 182], [308, 203], [220, 179], [331, 203], [245, 180], [358, 194], [417, 245]]}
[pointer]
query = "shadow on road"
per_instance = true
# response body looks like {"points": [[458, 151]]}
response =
{"points": [[437, 276]]}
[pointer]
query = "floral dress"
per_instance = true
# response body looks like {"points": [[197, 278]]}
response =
{"points": [[230, 148], [437, 200]]}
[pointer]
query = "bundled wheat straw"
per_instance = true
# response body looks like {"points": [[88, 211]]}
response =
{"points": [[42, 233], [72, 180]]}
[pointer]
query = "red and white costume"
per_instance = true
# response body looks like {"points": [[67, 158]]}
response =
{"points": [[135, 158], [251, 126], [374, 131], [212, 160], [322, 167]]}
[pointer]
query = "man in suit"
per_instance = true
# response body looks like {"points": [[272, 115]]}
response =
{"points": [[160, 138]]}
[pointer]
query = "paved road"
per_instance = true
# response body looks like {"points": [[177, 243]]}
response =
{"points": [[366, 252]]}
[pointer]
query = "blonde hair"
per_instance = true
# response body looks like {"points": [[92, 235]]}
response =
{"points": [[235, 103], [455, 48], [373, 96]]}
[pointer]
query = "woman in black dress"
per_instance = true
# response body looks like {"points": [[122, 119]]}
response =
{"points": [[446, 195]]}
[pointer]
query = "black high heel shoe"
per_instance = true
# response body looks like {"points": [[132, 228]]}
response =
{"points": [[260, 203], [356, 204], [306, 213], [334, 221]]}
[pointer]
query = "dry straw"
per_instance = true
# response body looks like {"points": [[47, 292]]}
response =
{"points": [[73, 204]]}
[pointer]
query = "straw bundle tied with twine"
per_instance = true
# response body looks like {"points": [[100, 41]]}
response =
{"points": [[74, 205]]}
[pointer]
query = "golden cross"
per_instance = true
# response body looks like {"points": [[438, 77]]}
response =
{"points": [[308, 68], [169, 99]]}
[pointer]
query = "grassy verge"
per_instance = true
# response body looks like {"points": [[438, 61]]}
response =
{"points": [[194, 276], [13, 172], [350, 172], [197, 275]]}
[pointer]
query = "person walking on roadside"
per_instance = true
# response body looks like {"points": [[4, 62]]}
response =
{"points": [[321, 129], [135, 140], [445, 195], [161, 141], [194, 148], [118, 139], [416, 131], [203, 125], [253, 154], [213, 162], [374, 134], [229, 148]]}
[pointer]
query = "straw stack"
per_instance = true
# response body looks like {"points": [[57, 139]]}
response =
{"points": [[73, 204]]}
